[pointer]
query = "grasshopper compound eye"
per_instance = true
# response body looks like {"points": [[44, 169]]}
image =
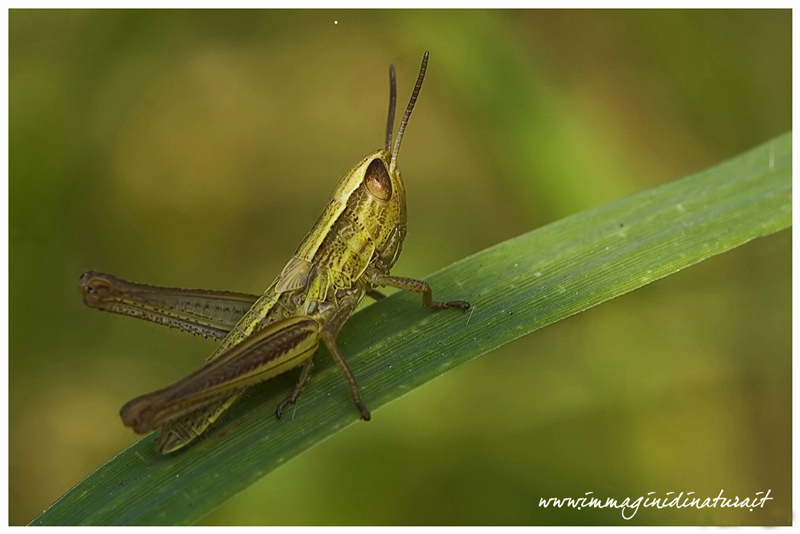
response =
{"points": [[377, 180]]}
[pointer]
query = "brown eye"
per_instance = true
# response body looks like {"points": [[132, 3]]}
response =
{"points": [[377, 180]]}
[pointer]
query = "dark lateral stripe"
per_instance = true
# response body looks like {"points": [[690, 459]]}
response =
{"points": [[243, 365], [259, 350]]}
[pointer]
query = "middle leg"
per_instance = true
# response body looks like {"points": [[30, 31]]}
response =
{"points": [[302, 382]]}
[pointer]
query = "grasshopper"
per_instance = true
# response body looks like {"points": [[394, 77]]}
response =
{"points": [[345, 256]]}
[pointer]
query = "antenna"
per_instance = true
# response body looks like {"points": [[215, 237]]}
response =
{"points": [[410, 107], [392, 104]]}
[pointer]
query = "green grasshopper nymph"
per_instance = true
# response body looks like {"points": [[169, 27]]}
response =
{"points": [[349, 251]]}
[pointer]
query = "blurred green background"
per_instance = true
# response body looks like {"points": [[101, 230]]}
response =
{"points": [[196, 149]]}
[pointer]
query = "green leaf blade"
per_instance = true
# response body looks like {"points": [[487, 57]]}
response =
{"points": [[396, 345]]}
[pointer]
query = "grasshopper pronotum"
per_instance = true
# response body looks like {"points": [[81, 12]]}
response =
{"points": [[348, 252]]}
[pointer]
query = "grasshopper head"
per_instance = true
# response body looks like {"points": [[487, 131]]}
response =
{"points": [[374, 191]]}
